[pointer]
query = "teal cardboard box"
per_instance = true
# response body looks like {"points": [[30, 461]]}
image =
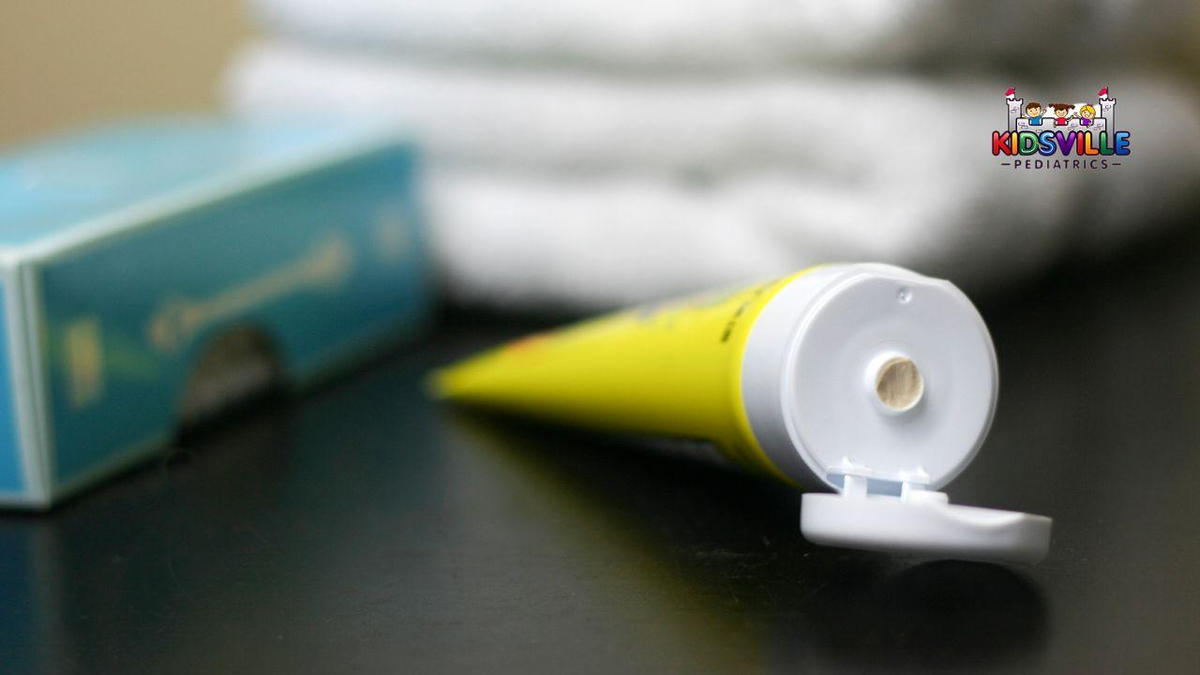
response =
{"points": [[150, 272]]}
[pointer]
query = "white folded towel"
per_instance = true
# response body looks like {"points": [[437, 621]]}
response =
{"points": [[593, 243], [584, 191], [724, 35], [515, 240], [839, 125]]}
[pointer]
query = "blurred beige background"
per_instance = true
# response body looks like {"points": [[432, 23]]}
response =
{"points": [[67, 62]]}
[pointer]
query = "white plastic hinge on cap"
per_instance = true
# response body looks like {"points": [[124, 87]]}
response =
{"points": [[859, 486], [918, 493], [854, 486]]}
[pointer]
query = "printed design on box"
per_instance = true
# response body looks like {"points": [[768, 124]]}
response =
{"points": [[1056, 135], [180, 319], [393, 235], [85, 361]]}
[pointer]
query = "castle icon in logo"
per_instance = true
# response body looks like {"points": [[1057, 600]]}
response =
{"points": [[1081, 117]]}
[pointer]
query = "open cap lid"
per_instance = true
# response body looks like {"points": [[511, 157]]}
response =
{"points": [[890, 388], [922, 522]]}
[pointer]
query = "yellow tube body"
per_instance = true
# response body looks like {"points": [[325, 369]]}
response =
{"points": [[671, 369]]}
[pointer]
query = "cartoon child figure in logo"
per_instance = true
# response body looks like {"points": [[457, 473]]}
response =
{"points": [[1086, 114], [1033, 113], [1062, 112]]}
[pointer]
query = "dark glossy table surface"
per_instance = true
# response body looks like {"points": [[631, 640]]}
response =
{"points": [[363, 527]]}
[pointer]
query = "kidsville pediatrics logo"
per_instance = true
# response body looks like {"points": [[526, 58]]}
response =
{"points": [[1057, 136]]}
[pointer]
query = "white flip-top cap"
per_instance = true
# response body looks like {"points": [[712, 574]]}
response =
{"points": [[922, 522], [888, 386]]}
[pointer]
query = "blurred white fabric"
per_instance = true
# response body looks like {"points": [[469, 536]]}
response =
{"points": [[588, 188], [729, 35]]}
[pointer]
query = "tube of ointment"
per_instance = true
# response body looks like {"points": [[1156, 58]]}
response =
{"points": [[876, 380]]}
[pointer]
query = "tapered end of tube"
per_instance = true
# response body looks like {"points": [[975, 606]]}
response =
{"points": [[437, 385]]}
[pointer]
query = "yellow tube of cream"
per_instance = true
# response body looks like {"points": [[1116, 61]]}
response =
{"points": [[876, 380]]}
